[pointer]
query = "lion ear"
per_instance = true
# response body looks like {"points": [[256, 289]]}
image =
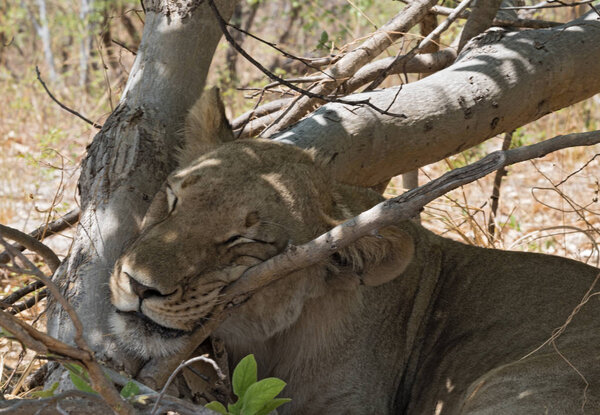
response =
{"points": [[206, 127], [378, 259]]}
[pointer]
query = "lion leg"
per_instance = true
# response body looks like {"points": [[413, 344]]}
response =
{"points": [[547, 383]]}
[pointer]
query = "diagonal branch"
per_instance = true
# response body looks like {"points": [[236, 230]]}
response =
{"points": [[32, 244], [397, 209], [402, 59], [347, 66], [304, 92], [46, 230]]}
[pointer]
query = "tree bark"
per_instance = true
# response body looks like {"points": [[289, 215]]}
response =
{"points": [[500, 82], [130, 158]]}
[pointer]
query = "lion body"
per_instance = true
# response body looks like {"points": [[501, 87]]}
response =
{"points": [[402, 322]]}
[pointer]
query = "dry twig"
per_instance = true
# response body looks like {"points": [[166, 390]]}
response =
{"points": [[63, 106]]}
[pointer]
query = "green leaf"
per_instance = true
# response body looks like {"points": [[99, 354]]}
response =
{"points": [[244, 375], [271, 406], [80, 382], [217, 407], [324, 37], [130, 389], [235, 408], [48, 393], [259, 394]]}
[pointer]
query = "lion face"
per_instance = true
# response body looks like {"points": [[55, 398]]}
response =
{"points": [[231, 209], [232, 206]]}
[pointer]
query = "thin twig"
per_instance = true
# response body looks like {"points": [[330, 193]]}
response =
{"points": [[290, 85], [46, 230], [401, 59], [32, 244], [179, 368], [124, 46], [496, 189], [60, 104]]}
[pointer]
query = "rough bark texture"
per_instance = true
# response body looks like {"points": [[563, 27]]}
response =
{"points": [[130, 158], [503, 80]]}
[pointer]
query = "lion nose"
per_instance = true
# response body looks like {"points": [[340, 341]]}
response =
{"points": [[141, 290]]}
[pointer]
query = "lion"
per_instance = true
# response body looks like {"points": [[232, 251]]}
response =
{"points": [[402, 322]]}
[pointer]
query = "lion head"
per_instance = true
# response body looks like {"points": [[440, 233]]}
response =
{"points": [[232, 205]]}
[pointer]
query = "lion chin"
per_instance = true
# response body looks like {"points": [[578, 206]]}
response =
{"points": [[140, 336]]}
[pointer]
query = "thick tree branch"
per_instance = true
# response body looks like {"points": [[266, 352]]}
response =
{"points": [[481, 95], [481, 18], [255, 121]]}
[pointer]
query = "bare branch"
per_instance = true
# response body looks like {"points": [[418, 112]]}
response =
{"points": [[32, 244], [60, 104], [525, 23], [355, 59], [481, 18], [401, 59], [47, 230], [27, 304], [500, 173], [253, 122], [303, 92], [22, 292], [179, 369], [44, 343], [71, 402], [393, 210]]}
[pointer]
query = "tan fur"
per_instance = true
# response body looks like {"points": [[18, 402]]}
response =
{"points": [[403, 322]]}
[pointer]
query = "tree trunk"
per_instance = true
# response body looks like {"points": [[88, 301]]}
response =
{"points": [[43, 32], [85, 44], [131, 156], [501, 81]]}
